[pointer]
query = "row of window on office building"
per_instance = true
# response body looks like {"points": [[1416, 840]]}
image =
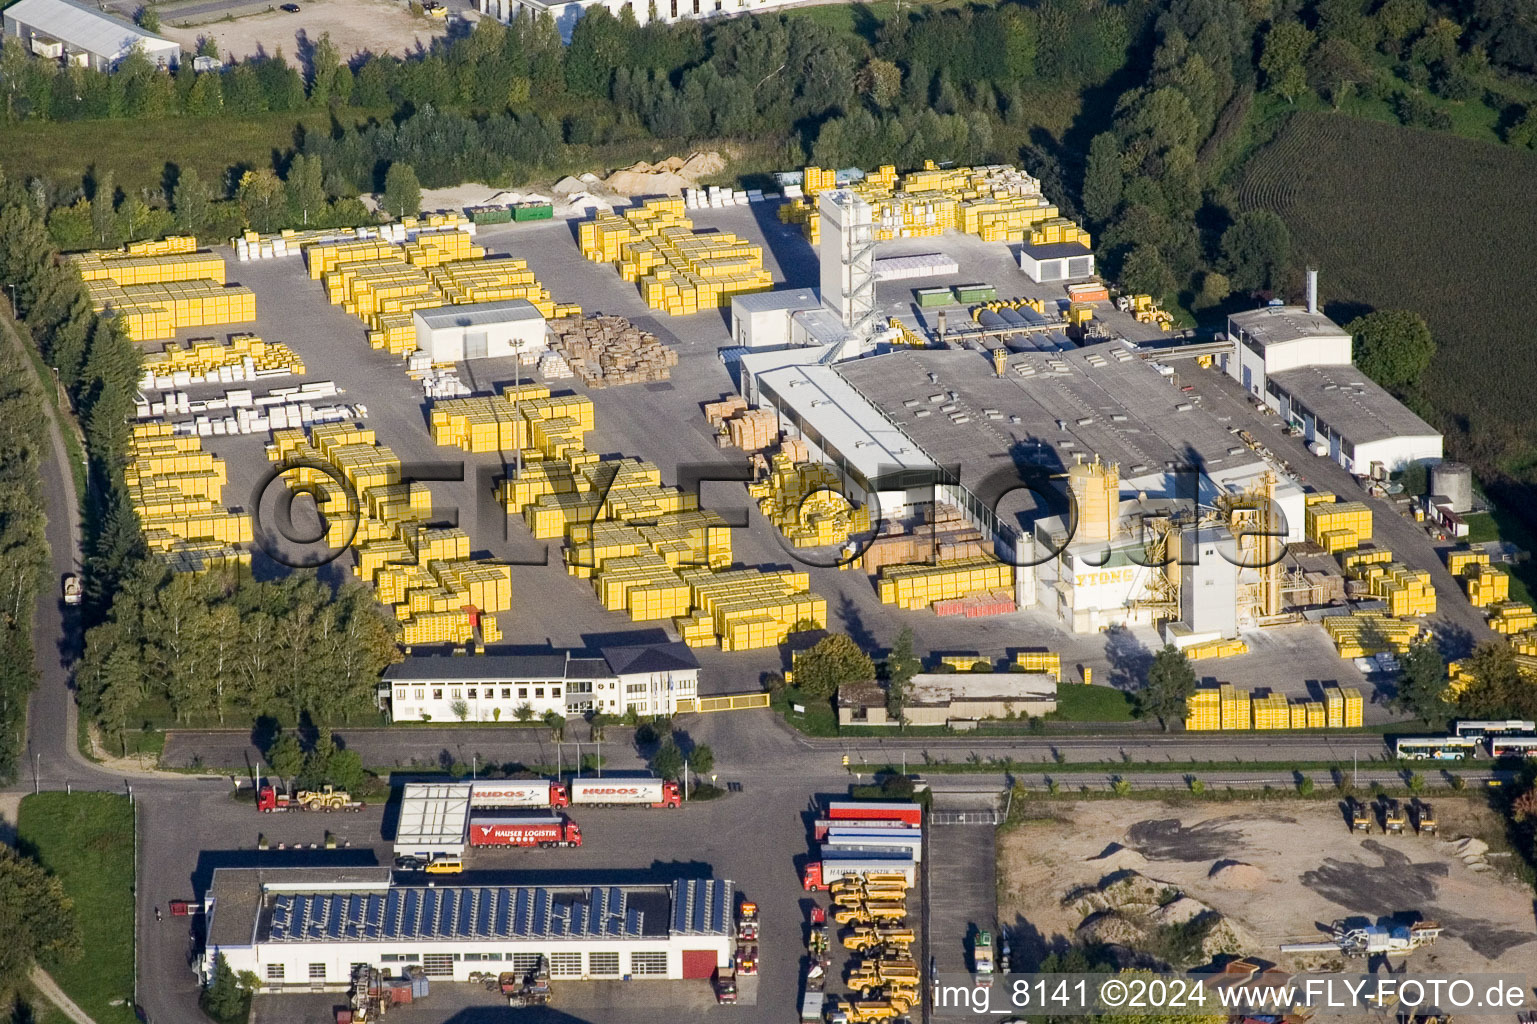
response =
{"points": [[562, 965], [489, 692]]}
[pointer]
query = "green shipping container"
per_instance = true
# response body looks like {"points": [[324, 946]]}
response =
{"points": [[930, 297], [533, 211], [975, 292], [491, 215]]}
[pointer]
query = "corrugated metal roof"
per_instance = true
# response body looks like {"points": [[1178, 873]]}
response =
{"points": [[86, 28], [478, 313]]}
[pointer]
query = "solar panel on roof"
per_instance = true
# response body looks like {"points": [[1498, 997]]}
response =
{"points": [[465, 925], [427, 923], [373, 916], [718, 906], [680, 907], [334, 920], [701, 904], [393, 903], [504, 913], [632, 922], [522, 913], [485, 906]]}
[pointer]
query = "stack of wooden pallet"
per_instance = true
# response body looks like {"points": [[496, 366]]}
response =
{"points": [[605, 351], [945, 536]]}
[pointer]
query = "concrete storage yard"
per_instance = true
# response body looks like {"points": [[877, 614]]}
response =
{"points": [[662, 422], [1276, 871]]}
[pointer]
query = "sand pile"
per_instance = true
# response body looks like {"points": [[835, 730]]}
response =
{"points": [[665, 177], [1235, 874]]}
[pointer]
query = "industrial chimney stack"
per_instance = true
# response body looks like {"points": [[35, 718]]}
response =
{"points": [[1312, 290]]}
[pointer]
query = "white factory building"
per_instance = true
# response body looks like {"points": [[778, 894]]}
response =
{"points": [[83, 34], [1059, 261], [302, 929], [481, 330], [649, 679], [566, 15], [1298, 362]]}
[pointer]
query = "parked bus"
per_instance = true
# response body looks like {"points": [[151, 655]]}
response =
{"points": [[1509, 727], [1435, 748], [1512, 746]]}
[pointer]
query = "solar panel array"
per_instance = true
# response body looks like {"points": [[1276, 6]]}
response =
{"points": [[501, 912], [701, 907]]}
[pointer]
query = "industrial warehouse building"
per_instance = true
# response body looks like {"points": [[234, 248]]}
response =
{"points": [[650, 679], [481, 330], [566, 15], [956, 699], [303, 929], [84, 35], [1298, 362]]}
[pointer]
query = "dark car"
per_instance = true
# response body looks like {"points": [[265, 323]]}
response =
{"points": [[290, 8], [409, 864]]}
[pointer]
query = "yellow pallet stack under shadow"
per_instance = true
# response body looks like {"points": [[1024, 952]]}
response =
{"points": [[1364, 633], [917, 586], [1040, 663], [1485, 585]]}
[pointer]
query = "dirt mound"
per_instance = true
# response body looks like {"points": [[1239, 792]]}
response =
{"points": [[665, 177], [1116, 857], [1235, 874], [647, 183], [1182, 909]]}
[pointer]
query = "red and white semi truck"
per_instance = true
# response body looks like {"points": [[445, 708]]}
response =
{"points": [[492, 829], [623, 792], [518, 793], [824, 825], [910, 814], [537, 793]]}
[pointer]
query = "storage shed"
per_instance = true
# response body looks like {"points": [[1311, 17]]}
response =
{"points": [[481, 330], [82, 35], [1059, 261]]}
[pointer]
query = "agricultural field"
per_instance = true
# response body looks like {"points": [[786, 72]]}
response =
{"points": [[1401, 218]]}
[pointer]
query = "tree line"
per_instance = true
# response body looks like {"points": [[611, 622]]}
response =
{"points": [[23, 546], [215, 647]]}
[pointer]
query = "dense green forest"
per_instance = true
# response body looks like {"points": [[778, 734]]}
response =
{"points": [[1142, 118]]}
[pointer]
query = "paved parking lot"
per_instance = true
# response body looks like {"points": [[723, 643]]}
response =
{"points": [[758, 836]]}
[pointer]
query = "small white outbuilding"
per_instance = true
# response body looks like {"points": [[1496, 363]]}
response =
{"points": [[482, 330]]}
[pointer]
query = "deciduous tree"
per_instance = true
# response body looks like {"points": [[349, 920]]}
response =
{"points": [[402, 192], [1170, 682], [1393, 347], [835, 660]]}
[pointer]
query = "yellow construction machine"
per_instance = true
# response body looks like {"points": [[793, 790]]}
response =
{"points": [[862, 1010], [868, 913], [866, 938], [327, 798], [1145, 311], [1360, 817], [1393, 818]]}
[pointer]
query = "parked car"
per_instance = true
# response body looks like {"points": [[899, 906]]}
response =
{"points": [[290, 8]]}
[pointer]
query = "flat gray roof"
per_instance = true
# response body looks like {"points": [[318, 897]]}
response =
{"points": [[1048, 409], [942, 688], [1277, 325], [1057, 250], [432, 814], [788, 298], [237, 895], [846, 421], [1352, 404], [476, 313], [86, 28]]}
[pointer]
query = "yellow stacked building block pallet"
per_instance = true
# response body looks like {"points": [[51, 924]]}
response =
{"points": [[750, 609], [162, 247], [1216, 649], [1338, 526], [176, 488], [1460, 562], [205, 357], [693, 537], [154, 312], [696, 630], [433, 249], [1511, 617], [125, 270], [1342, 707], [643, 585], [1040, 662], [1235, 707], [1407, 592], [914, 587], [806, 504], [1362, 633], [678, 270], [324, 258], [1485, 585], [961, 662], [1272, 712], [1203, 711], [1351, 561]]}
